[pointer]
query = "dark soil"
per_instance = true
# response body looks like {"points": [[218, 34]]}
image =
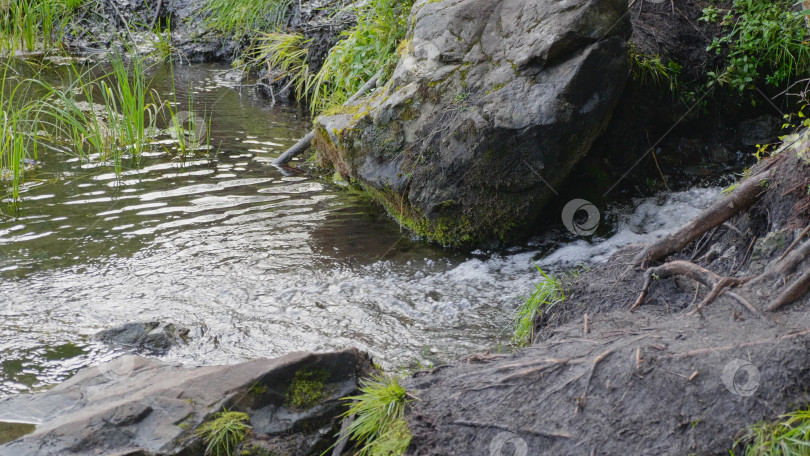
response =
{"points": [[659, 139], [659, 380], [557, 398]]}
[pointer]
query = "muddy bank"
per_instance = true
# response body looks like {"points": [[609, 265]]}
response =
{"points": [[190, 38], [615, 372], [643, 383]]}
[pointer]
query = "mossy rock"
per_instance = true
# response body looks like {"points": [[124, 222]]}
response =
{"points": [[476, 114], [307, 389]]}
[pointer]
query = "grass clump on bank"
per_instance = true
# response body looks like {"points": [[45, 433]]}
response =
{"points": [[307, 389], [113, 114], [224, 432], [106, 113], [363, 50], [547, 293], [379, 428], [28, 24], [651, 70], [238, 18], [763, 39], [20, 122], [788, 436], [367, 48]]}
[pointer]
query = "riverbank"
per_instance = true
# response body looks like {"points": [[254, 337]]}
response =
{"points": [[676, 346]]}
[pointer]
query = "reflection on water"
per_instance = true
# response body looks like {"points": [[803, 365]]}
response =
{"points": [[255, 263]]}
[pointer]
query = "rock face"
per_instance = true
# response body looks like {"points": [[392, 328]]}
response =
{"points": [[491, 105], [135, 405]]}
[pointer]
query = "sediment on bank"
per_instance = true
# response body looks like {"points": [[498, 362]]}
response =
{"points": [[676, 347]]}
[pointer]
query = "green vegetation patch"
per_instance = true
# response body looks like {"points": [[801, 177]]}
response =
{"points": [[651, 70], [789, 435], [763, 39], [257, 389], [394, 441], [13, 431], [31, 24], [307, 389], [379, 428], [547, 293], [239, 17], [363, 50], [223, 433]]}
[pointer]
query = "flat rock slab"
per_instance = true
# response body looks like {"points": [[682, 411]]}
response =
{"points": [[135, 405]]}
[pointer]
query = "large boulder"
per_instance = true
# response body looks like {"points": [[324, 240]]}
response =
{"points": [[134, 405], [492, 104]]}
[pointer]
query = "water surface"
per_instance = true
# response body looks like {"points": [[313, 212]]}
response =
{"points": [[254, 262]]}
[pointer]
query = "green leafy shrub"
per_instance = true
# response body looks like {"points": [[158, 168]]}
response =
{"points": [[379, 428], [762, 39], [547, 293], [788, 436], [224, 432]]}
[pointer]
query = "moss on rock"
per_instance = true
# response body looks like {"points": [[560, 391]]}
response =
{"points": [[307, 389]]}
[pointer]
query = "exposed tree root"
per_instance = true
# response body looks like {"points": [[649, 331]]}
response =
{"points": [[777, 286], [791, 293], [718, 213], [547, 434], [714, 282]]}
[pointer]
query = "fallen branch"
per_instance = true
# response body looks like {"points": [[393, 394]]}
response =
{"points": [[306, 141]]}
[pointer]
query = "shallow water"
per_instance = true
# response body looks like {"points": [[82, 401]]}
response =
{"points": [[254, 262]]}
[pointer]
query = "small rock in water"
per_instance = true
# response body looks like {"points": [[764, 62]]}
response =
{"points": [[153, 336]]}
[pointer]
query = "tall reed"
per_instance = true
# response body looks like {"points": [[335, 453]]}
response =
{"points": [[28, 25], [20, 128], [91, 112]]}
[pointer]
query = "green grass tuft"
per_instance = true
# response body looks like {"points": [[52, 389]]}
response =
{"points": [[394, 441], [650, 70], [238, 18], [224, 432], [547, 293], [28, 25], [788, 436], [379, 428], [362, 51]]}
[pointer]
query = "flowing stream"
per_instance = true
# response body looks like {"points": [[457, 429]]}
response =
{"points": [[252, 261]]}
